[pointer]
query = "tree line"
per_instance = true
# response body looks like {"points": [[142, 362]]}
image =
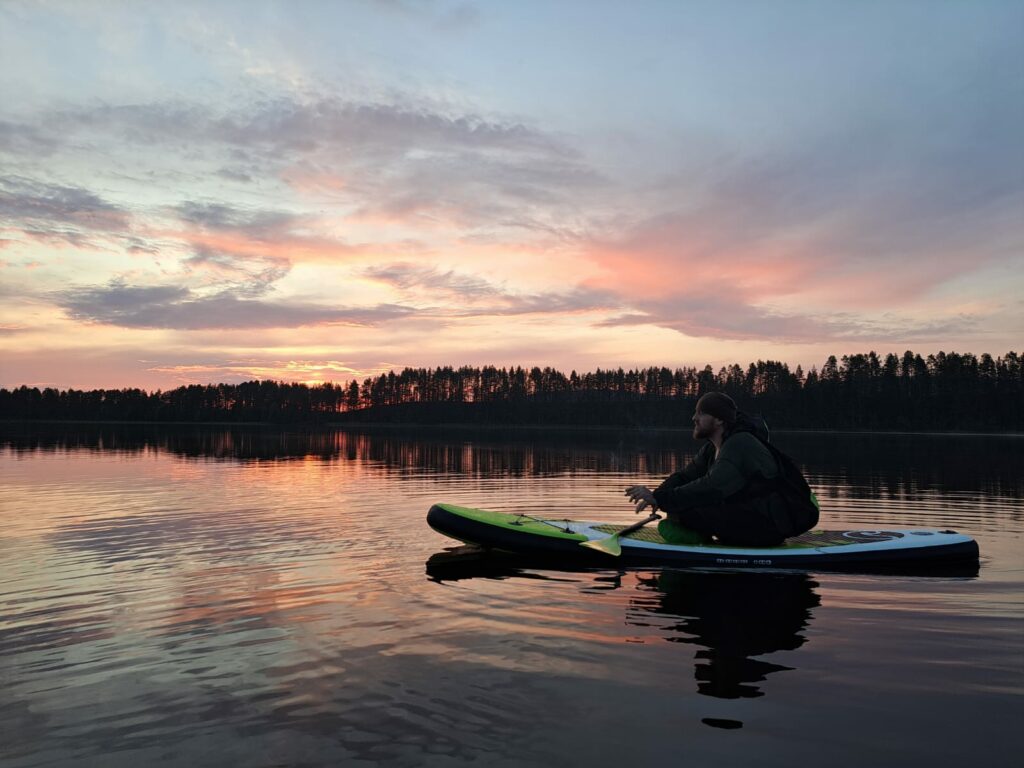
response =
{"points": [[944, 391]]}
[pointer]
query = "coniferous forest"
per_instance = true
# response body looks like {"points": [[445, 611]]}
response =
{"points": [[944, 391]]}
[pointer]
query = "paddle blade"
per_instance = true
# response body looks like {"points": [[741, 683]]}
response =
{"points": [[609, 546]]}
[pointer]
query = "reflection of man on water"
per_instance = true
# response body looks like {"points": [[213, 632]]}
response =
{"points": [[735, 616]]}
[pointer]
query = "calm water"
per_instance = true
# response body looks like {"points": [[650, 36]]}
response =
{"points": [[212, 597]]}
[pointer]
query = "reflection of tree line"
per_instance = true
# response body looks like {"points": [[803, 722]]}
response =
{"points": [[941, 391], [908, 466], [884, 466], [559, 453]]}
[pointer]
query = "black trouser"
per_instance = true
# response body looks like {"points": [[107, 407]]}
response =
{"points": [[743, 524]]}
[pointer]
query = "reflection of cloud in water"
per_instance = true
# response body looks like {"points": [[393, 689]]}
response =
{"points": [[160, 539], [332, 703]]}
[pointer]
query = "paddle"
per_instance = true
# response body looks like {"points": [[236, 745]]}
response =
{"points": [[611, 546]]}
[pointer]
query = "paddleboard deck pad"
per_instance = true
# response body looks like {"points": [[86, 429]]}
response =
{"points": [[536, 536]]}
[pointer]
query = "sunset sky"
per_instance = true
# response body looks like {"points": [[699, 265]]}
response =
{"points": [[313, 191]]}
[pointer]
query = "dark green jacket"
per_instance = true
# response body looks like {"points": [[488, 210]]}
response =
{"points": [[742, 465]]}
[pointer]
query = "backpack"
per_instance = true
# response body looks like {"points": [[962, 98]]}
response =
{"points": [[801, 503]]}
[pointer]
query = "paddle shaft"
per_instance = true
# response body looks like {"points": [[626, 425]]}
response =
{"points": [[637, 526]]}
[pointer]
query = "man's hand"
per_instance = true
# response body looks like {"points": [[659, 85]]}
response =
{"points": [[643, 496]]}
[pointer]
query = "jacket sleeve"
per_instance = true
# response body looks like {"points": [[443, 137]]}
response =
{"points": [[698, 467], [723, 479]]}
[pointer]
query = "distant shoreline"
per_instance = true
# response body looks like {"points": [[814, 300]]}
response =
{"points": [[471, 427]]}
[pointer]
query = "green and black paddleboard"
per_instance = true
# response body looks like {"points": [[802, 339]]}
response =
{"points": [[524, 534]]}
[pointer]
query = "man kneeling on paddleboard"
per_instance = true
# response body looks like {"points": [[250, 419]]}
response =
{"points": [[739, 488]]}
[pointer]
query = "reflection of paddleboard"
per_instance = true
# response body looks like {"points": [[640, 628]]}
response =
{"points": [[529, 535]]}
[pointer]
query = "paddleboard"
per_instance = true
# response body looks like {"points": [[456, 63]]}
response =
{"points": [[562, 538]]}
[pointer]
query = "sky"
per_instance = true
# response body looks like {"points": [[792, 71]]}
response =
{"points": [[320, 191]]}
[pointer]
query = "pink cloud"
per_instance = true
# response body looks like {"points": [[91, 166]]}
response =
{"points": [[687, 256], [664, 257]]}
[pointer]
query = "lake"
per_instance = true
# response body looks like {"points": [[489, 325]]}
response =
{"points": [[258, 597]]}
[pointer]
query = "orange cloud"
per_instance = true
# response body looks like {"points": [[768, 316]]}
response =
{"points": [[279, 247], [296, 371]]}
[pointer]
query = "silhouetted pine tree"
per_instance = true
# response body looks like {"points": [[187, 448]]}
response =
{"points": [[860, 391]]}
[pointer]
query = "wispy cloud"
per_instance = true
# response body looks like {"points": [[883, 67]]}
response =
{"points": [[380, 159], [409, 276], [180, 308], [461, 295], [25, 138], [288, 125], [56, 212], [258, 244], [225, 218], [720, 317]]}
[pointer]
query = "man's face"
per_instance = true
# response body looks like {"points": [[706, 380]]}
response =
{"points": [[703, 425]]}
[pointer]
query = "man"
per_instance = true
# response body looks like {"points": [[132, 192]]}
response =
{"points": [[732, 490]]}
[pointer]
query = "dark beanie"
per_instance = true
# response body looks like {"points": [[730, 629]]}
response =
{"points": [[719, 405]]}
